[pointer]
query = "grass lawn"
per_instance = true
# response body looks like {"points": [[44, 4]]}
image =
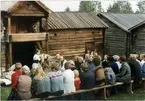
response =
{"points": [[139, 94]]}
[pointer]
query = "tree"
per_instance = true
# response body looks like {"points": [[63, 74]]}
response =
{"points": [[67, 9], [87, 6], [120, 7], [141, 7], [91, 6], [98, 6]]}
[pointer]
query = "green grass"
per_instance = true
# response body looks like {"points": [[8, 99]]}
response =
{"points": [[5, 91], [139, 94]]}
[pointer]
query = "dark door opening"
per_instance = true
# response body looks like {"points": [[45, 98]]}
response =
{"points": [[23, 52], [89, 46]]}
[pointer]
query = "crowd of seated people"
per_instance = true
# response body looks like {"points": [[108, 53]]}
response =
{"points": [[67, 76]]}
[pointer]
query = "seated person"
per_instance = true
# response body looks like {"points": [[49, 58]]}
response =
{"points": [[87, 77], [68, 79], [56, 80], [125, 73], [77, 80], [41, 84], [99, 72], [24, 84]]}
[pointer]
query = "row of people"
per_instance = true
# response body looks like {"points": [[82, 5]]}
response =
{"points": [[66, 77]]}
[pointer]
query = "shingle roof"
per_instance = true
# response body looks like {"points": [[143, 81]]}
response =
{"points": [[126, 22], [74, 20]]}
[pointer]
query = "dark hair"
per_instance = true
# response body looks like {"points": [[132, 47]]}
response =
{"points": [[105, 64], [96, 61], [123, 58]]}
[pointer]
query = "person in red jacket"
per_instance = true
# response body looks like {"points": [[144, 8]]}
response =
{"points": [[77, 79], [16, 75]]}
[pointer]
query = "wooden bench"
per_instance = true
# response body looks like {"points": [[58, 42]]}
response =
{"points": [[93, 89], [103, 88]]}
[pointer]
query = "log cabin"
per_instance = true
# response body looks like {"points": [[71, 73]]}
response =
{"points": [[23, 32], [30, 25], [73, 33], [125, 35]]}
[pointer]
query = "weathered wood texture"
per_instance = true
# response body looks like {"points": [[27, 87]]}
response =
{"points": [[115, 39], [27, 37], [72, 42], [3, 54], [27, 8], [139, 39]]}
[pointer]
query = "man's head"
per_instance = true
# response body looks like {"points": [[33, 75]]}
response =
{"points": [[122, 59], [67, 65], [58, 56], [84, 67], [116, 57], [18, 66]]}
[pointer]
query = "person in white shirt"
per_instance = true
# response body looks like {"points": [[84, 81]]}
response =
{"points": [[116, 58], [36, 59], [62, 63], [68, 80]]}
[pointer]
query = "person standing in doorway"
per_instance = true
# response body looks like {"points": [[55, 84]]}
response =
{"points": [[36, 59]]}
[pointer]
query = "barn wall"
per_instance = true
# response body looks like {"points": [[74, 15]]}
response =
{"points": [[139, 34], [115, 39], [72, 42]]}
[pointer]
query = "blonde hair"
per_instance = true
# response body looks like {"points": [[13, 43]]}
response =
{"points": [[133, 56], [39, 74], [76, 73], [18, 65]]}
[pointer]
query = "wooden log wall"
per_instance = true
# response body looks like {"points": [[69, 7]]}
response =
{"points": [[115, 39], [139, 34], [71, 42], [3, 54]]}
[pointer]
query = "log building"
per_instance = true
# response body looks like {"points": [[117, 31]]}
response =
{"points": [[72, 33], [126, 33], [23, 33], [27, 26]]}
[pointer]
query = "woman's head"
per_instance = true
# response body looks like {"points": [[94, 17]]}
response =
{"points": [[39, 73], [76, 72], [55, 66]]}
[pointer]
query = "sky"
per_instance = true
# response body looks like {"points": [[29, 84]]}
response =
{"points": [[61, 5]]}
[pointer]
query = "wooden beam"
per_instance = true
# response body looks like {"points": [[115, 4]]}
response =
{"points": [[47, 33], [10, 44], [39, 15], [27, 37]]}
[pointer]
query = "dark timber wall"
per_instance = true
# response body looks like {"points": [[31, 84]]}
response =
{"points": [[115, 39], [139, 39]]}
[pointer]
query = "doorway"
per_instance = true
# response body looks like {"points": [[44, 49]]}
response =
{"points": [[89, 46], [23, 52]]}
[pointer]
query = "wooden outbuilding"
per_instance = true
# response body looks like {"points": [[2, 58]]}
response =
{"points": [[126, 33], [73, 33], [22, 21]]}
